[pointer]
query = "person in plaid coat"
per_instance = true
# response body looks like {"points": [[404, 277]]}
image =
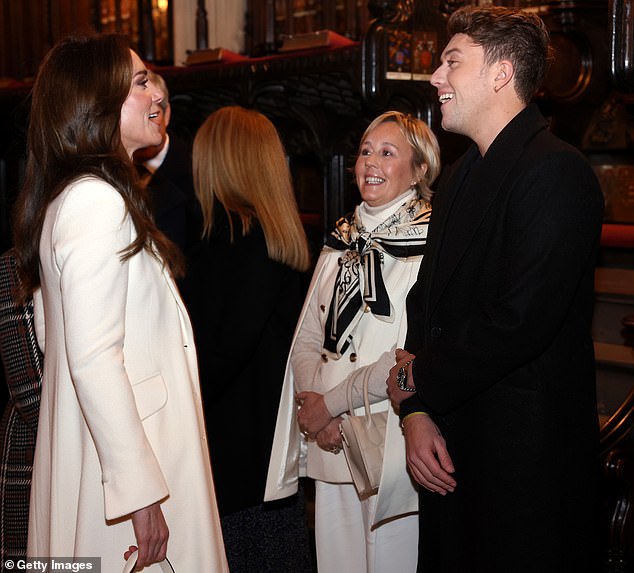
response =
{"points": [[22, 361]]}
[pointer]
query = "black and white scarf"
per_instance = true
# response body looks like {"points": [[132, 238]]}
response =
{"points": [[402, 235]]}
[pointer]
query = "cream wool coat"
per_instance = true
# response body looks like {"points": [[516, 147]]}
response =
{"points": [[121, 423], [292, 457]]}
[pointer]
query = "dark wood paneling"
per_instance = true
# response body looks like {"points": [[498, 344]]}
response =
{"points": [[26, 38]]}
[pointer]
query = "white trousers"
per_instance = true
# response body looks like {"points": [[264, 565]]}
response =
{"points": [[344, 541]]}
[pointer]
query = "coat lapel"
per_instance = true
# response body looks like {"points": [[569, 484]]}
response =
{"points": [[479, 188], [185, 324], [442, 203]]}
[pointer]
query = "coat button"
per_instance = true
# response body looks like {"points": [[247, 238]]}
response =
{"points": [[353, 357], [436, 331], [324, 358], [322, 307]]}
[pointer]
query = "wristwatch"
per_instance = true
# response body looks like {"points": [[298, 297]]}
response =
{"points": [[401, 378]]}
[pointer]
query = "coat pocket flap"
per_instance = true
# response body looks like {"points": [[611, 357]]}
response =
{"points": [[150, 395]]}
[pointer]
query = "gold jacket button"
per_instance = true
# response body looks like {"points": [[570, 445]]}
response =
{"points": [[367, 308]]}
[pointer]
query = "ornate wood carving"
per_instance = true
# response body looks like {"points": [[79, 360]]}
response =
{"points": [[622, 44], [618, 520], [267, 21], [202, 32]]}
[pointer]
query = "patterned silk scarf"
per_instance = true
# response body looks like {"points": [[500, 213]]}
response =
{"points": [[402, 235]]}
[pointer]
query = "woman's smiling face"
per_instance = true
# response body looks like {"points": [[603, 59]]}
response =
{"points": [[140, 121], [384, 166]]}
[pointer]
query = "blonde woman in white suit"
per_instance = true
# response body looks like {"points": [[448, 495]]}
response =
{"points": [[342, 337], [121, 460]]}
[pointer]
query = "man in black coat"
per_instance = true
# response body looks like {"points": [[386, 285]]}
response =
{"points": [[499, 407]]}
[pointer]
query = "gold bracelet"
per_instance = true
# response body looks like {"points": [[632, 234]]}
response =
{"points": [[412, 414]]}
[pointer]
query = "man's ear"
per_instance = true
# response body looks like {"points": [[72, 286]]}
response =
{"points": [[504, 72]]}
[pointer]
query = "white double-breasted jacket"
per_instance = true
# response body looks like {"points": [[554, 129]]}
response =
{"points": [[292, 456]]}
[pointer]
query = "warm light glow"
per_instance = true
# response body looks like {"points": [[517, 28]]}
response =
{"points": [[162, 5]]}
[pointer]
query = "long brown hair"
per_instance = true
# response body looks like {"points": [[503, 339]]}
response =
{"points": [[239, 162], [73, 131]]}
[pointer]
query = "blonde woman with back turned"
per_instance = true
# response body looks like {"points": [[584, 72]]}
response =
{"points": [[244, 291]]}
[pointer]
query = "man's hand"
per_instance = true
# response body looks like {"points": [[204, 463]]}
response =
{"points": [[393, 391], [427, 456]]}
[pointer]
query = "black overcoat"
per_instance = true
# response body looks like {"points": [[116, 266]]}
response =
{"points": [[500, 322], [244, 308]]}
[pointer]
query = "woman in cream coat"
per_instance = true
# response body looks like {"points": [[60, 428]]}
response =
{"points": [[121, 458], [384, 239]]}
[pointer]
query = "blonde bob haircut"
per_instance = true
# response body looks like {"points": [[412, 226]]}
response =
{"points": [[239, 162], [424, 146]]}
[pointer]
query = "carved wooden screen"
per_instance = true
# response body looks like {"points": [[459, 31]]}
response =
{"points": [[268, 21]]}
